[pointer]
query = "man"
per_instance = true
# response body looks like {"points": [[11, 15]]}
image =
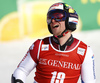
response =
{"points": [[60, 58]]}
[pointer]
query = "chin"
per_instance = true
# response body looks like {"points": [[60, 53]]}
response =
{"points": [[56, 34]]}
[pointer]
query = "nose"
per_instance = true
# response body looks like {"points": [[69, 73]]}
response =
{"points": [[53, 20]]}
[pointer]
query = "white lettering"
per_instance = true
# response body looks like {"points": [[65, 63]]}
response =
{"points": [[63, 64], [55, 63], [43, 61], [50, 62], [60, 64]]}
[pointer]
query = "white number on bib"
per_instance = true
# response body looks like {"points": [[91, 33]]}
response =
{"points": [[57, 77]]}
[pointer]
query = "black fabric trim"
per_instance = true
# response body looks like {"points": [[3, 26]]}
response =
{"points": [[68, 42], [13, 80]]}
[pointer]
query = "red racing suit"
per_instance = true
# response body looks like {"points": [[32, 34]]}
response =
{"points": [[56, 66]]}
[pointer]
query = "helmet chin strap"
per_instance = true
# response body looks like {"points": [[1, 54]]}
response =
{"points": [[62, 34]]}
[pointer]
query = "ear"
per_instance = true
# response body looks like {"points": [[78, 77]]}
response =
{"points": [[49, 28]]}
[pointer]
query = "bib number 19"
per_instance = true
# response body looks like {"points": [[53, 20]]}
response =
{"points": [[57, 77]]}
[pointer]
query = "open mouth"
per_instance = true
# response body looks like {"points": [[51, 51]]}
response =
{"points": [[55, 26]]}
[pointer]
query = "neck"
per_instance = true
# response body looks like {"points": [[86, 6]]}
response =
{"points": [[63, 39]]}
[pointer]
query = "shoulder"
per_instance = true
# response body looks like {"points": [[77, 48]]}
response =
{"points": [[46, 40], [85, 49], [81, 43], [82, 48], [35, 47], [39, 41]]}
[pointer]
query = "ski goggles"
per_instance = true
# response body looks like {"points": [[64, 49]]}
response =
{"points": [[57, 15]]}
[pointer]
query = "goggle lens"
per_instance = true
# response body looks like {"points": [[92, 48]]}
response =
{"points": [[57, 15]]}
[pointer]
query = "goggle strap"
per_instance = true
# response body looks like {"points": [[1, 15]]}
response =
{"points": [[63, 34]]}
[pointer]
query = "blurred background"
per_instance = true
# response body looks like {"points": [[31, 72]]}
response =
{"points": [[24, 21]]}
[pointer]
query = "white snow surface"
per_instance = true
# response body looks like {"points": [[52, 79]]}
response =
{"points": [[12, 52]]}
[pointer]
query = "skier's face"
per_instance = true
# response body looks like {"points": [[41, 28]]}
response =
{"points": [[57, 27]]}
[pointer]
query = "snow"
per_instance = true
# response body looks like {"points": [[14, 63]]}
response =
{"points": [[12, 52]]}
